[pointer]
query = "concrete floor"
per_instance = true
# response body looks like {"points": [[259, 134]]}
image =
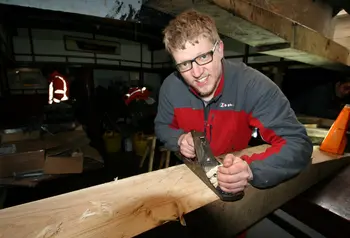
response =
{"points": [[266, 228]]}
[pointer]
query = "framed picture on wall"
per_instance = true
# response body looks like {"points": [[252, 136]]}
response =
{"points": [[134, 79], [27, 79], [81, 44]]}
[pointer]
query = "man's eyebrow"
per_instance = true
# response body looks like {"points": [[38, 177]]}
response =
{"points": [[203, 53], [199, 54]]}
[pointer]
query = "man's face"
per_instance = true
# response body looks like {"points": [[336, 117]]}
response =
{"points": [[203, 78], [344, 89]]}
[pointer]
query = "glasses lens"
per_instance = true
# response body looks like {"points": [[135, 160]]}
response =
{"points": [[184, 66], [205, 58], [200, 60]]}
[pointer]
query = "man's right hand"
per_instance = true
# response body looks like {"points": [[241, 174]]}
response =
{"points": [[186, 145]]}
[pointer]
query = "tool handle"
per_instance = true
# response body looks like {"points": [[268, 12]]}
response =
{"points": [[229, 197]]}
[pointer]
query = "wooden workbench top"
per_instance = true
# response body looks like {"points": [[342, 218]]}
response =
{"points": [[128, 207]]}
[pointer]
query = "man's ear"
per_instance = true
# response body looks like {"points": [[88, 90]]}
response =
{"points": [[221, 47]]}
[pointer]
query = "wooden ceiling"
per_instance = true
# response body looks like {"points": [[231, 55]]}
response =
{"points": [[268, 31], [298, 30]]}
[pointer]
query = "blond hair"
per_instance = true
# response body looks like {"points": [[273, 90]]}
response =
{"points": [[188, 27]]}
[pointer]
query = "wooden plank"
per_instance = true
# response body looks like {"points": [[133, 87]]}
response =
{"points": [[321, 122], [316, 132], [342, 13], [342, 26], [228, 24], [345, 41], [307, 46], [128, 207], [342, 30], [256, 26], [312, 14]]}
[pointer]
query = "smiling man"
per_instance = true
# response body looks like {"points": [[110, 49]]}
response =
{"points": [[226, 101]]}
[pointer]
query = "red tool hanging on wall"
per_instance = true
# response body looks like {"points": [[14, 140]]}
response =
{"points": [[58, 88], [137, 93]]}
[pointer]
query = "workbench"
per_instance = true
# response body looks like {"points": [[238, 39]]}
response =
{"points": [[134, 205]]}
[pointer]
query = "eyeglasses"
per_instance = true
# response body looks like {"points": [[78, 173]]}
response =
{"points": [[202, 59]]}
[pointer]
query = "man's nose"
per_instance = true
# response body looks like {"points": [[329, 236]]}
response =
{"points": [[196, 70]]}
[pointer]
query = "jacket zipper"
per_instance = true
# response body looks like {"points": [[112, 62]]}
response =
{"points": [[206, 115]]}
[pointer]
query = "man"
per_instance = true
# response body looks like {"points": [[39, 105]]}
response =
{"points": [[226, 101]]}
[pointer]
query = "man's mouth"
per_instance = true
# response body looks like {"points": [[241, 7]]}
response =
{"points": [[202, 81]]}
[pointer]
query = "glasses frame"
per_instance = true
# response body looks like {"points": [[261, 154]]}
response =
{"points": [[210, 52]]}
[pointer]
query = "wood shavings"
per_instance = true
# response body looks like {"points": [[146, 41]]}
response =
{"points": [[182, 220], [212, 175], [180, 213], [50, 231], [99, 208]]}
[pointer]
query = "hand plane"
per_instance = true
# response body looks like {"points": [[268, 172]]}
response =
{"points": [[205, 166]]}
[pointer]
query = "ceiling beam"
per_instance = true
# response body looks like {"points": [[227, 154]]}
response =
{"points": [[253, 25]]}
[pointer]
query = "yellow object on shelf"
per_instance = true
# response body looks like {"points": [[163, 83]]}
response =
{"points": [[139, 143], [113, 142]]}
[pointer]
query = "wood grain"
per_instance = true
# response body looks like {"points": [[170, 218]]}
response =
{"points": [[306, 45], [128, 207], [313, 14]]}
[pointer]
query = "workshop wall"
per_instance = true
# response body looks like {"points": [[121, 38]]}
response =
{"points": [[105, 78], [74, 49], [41, 45], [3, 38], [4, 53], [44, 46]]}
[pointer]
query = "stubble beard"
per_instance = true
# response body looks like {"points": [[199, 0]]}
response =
{"points": [[208, 91]]}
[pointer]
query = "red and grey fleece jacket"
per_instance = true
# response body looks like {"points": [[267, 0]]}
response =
{"points": [[245, 99]]}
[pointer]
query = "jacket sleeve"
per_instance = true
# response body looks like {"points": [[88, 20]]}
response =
{"points": [[166, 128], [291, 148]]}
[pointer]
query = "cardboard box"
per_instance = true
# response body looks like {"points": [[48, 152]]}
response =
{"points": [[66, 139], [64, 153], [60, 154], [20, 157], [67, 163], [92, 153], [9, 136]]}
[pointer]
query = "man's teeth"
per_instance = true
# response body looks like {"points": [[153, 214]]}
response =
{"points": [[202, 79]]}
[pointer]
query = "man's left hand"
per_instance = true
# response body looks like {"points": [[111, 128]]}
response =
{"points": [[234, 175]]}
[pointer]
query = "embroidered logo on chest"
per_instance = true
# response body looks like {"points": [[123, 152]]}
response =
{"points": [[223, 105]]}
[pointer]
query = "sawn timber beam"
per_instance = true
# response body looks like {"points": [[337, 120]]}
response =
{"points": [[258, 27], [131, 206]]}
